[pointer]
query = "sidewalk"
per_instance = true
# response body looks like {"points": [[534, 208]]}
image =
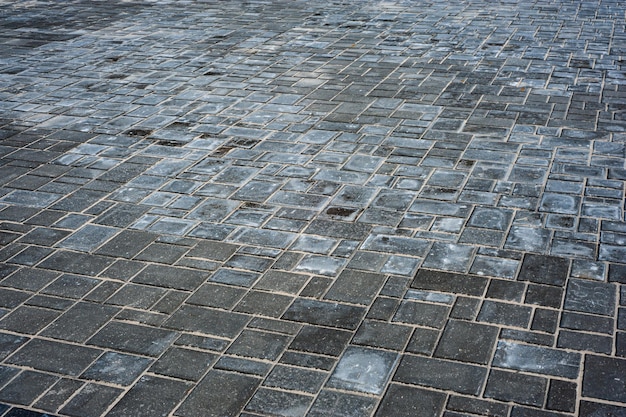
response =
{"points": [[312, 208]]}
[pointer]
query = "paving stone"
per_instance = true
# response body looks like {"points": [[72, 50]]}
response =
{"points": [[562, 396], [363, 369], [401, 400], [219, 393], [518, 388], [116, 368], [603, 378], [467, 342], [577, 297], [26, 387], [320, 340], [170, 277], [151, 396], [544, 269], [449, 282], [503, 313], [50, 356], [435, 373], [80, 322], [382, 335], [422, 314], [324, 313], [279, 403], [91, 401], [28, 320], [331, 403], [58, 394], [589, 409], [536, 359], [133, 338], [207, 321]]}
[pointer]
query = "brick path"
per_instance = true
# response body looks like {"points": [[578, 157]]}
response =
{"points": [[321, 208]]}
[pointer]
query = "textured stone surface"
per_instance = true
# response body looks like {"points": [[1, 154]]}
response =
{"points": [[354, 208]]}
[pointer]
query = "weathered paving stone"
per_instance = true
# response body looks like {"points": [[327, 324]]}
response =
{"points": [[363, 370], [219, 393], [402, 400], [219, 224], [325, 313], [536, 359], [603, 378], [441, 374]]}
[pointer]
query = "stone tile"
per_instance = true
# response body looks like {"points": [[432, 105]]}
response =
{"points": [[577, 297], [401, 400], [320, 340], [440, 374], [133, 338], [151, 396], [449, 282], [332, 403], [325, 313], [91, 401], [355, 287], [363, 370], [467, 342], [503, 313], [55, 357], [536, 359], [295, 379], [261, 345], [603, 378], [26, 387], [80, 322], [207, 321], [219, 393], [279, 403], [518, 388], [171, 277], [544, 269], [382, 335], [116, 368]]}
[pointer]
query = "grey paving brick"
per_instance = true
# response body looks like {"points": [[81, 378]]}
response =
{"points": [[207, 321], [133, 338], [116, 368], [56, 357], [91, 401], [519, 388], [404, 400]]}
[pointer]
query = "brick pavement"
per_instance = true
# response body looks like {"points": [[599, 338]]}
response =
{"points": [[291, 208]]}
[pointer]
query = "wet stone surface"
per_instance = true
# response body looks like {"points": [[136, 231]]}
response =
{"points": [[308, 208]]}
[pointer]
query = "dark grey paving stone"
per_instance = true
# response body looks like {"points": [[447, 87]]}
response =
{"points": [[562, 396], [234, 277], [55, 357], [467, 342], [503, 313], [243, 366], [162, 253], [91, 401], [321, 340], [338, 229], [295, 379], [518, 388], [279, 403], [590, 297], [477, 406], [9, 343], [331, 403], [76, 263], [28, 320], [382, 335], [422, 314], [127, 244], [396, 245], [401, 400], [151, 396], [256, 344], [35, 199], [219, 393], [543, 269], [281, 281], [603, 378], [264, 304], [356, 287], [171, 277], [591, 409], [207, 321], [536, 359], [88, 238], [116, 368], [585, 342], [132, 338], [71, 286], [26, 387], [363, 369], [325, 313], [506, 290], [440, 374], [544, 295], [58, 394], [449, 282], [29, 279], [80, 322], [136, 296], [214, 295]]}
